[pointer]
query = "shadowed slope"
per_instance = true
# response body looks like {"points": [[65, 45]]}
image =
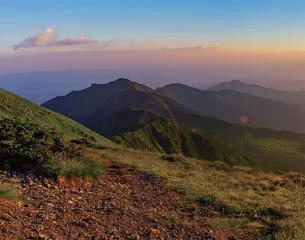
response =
{"points": [[231, 106], [294, 97]]}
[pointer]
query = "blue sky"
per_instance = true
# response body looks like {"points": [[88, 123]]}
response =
{"points": [[234, 24]]}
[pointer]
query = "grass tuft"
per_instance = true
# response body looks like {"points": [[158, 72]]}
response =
{"points": [[8, 191], [85, 167], [170, 218]]}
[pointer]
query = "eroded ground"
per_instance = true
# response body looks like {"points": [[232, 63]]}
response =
{"points": [[125, 204]]}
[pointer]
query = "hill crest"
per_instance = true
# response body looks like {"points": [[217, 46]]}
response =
{"points": [[293, 97]]}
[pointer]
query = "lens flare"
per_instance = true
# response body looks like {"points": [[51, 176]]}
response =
{"points": [[244, 119]]}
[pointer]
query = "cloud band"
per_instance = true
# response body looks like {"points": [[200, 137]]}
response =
{"points": [[48, 38]]}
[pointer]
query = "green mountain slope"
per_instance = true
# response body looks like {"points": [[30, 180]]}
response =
{"points": [[144, 130], [231, 106], [232, 143], [12, 105], [294, 97], [261, 147]]}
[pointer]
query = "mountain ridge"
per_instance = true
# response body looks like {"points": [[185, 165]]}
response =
{"points": [[293, 97], [233, 106], [233, 143], [99, 97]]}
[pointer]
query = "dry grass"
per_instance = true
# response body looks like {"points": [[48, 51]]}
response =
{"points": [[264, 200], [8, 191]]}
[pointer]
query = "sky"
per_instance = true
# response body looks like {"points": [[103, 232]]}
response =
{"points": [[230, 32]]}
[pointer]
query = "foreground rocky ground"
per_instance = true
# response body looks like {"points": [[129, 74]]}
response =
{"points": [[125, 204]]}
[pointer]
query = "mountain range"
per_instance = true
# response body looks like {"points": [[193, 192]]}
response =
{"points": [[238, 107], [136, 116], [294, 97], [55, 83]]}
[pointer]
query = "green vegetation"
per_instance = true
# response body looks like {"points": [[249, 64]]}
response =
{"points": [[26, 145], [233, 144], [147, 131], [38, 140], [8, 191], [85, 167], [29, 146], [270, 204], [238, 144], [12, 105]]}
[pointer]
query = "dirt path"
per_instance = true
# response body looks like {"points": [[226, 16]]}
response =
{"points": [[124, 205]]}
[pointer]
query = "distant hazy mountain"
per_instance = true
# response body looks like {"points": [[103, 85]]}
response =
{"points": [[136, 116], [234, 106], [294, 97], [290, 85], [42, 86]]}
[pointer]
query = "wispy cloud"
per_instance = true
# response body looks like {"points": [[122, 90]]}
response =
{"points": [[48, 38], [191, 48]]}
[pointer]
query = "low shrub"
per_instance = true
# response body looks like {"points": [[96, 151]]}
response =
{"points": [[27, 145]]}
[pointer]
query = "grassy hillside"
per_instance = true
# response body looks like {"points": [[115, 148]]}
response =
{"points": [[37, 140], [144, 130], [260, 147], [12, 105], [231, 105]]}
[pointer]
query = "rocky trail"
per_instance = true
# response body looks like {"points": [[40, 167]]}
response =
{"points": [[125, 204]]}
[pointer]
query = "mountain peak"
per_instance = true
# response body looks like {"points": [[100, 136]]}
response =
{"points": [[94, 85], [126, 83], [122, 80], [235, 81], [119, 81]]}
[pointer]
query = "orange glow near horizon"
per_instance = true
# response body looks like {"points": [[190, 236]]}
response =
{"points": [[282, 65]]}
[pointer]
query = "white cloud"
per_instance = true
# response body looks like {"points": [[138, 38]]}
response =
{"points": [[48, 38]]}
